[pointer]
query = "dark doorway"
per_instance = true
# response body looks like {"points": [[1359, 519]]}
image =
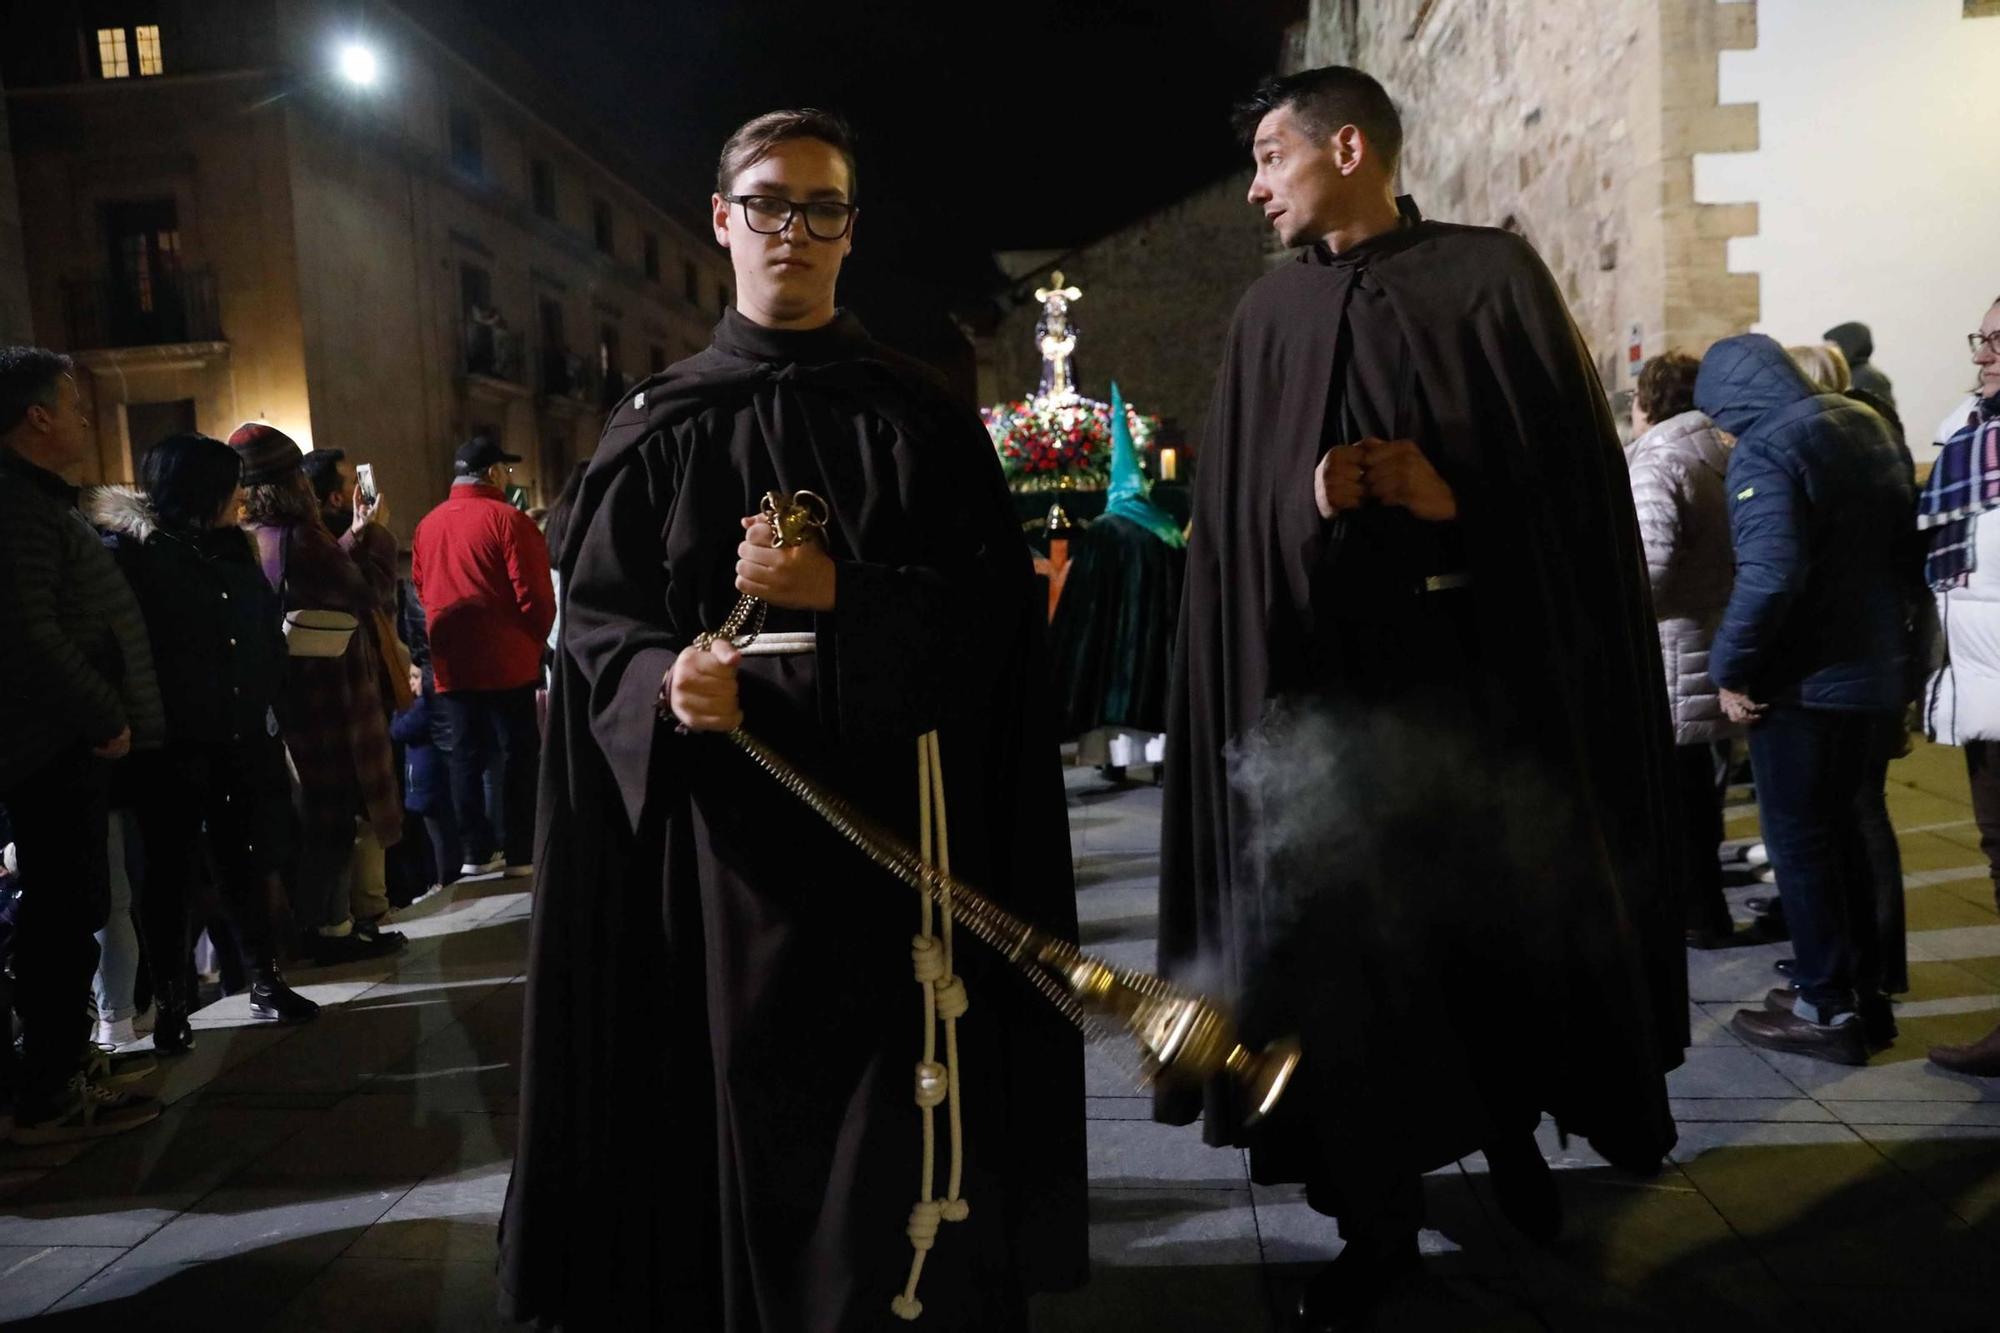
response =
{"points": [[146, 424]]}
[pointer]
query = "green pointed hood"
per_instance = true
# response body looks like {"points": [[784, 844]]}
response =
{"points": [[1127, 497]]}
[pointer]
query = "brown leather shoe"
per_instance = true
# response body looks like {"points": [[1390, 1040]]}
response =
{"points": [[1838, 1043], [1878, 1020], [1981, 1058]]}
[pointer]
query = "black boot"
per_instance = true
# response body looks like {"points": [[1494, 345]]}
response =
{"points": [[1525, 1188], [1341, 1295], [171, 1033], [272, 999]]}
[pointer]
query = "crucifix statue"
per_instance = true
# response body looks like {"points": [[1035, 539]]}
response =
{"points": [[1056, 337]]}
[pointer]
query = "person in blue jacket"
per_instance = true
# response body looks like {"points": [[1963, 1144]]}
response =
{"points": [[426, 786], [1812, 653]]}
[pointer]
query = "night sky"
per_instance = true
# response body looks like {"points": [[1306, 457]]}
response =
{"points": [[1054, 123]]}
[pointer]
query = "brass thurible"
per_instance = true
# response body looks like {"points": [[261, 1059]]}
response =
{"points": [[1184, 1038]]}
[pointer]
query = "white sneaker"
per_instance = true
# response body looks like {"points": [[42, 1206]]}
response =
{"points": [[1756, 854], [112, 1033], [497, 861]]}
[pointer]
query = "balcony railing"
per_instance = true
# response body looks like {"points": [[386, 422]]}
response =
{"points": [[494, 350], [177, 306], [567, 375]]}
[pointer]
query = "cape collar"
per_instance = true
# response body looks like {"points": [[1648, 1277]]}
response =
{"points": [[1320, 254], [840, 340]]}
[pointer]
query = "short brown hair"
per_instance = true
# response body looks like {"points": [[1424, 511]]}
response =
{"points": [[1666, 385], [754, 140]]}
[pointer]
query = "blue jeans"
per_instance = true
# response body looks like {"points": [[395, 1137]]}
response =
{"points": [[476, 724], [1813, 766]]}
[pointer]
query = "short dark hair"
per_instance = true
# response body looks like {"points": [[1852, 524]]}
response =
{"points": [[29, 377], [1325, 100], [754, 140], [1666, 385], [189, 478], [322, 469]]}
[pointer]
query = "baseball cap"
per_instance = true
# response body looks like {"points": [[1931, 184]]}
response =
{"points": [[479, 453]]}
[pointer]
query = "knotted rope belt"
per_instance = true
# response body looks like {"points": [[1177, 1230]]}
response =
{"points": [[1181, 1035]]}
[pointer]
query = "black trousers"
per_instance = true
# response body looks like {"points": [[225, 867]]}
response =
{"points": [[442, 844], [475, 721], [61, 832], [1885, 858], [1982, 766], [237, 797], [1701, 770]]}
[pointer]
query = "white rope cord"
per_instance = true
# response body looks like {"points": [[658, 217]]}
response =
{"points": [[951, 997], [944, 998]]}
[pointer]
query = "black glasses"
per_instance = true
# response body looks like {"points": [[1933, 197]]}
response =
{"points": [[768, 215], [1984, 342]]}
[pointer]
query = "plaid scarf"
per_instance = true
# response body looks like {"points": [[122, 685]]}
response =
{"points": [[1964, 483]]}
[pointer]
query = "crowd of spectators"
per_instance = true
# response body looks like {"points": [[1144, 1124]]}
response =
{"points": [[224, 716], [1806, 582], [225, 728]]}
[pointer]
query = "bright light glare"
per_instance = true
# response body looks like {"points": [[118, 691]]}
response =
{"points": [[358, 65]]}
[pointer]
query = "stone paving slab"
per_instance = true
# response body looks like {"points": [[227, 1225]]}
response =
{"points": [[349, 1174]]}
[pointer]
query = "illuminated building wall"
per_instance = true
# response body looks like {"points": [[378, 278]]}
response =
{"points": [[223, 227]]}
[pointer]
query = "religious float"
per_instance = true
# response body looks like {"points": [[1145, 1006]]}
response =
{"points": [[1115, 554]]}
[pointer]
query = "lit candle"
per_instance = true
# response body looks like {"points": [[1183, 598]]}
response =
{"points": [[1169, 464]]}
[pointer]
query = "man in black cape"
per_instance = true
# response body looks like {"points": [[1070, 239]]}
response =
{"points": [[1418, 797], [718, 1128]]}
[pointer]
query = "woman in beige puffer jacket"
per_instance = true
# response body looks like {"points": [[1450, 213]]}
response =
{"points": [[1677, 464]]}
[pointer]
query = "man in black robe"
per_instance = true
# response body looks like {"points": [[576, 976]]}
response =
{"points": [[1418, 795], [718, 1129]]}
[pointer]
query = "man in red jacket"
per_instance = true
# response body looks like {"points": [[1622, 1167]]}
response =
{"points": [[481, 570]]}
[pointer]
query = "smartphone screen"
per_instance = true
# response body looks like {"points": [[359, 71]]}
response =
{"points": [[364, 481]]}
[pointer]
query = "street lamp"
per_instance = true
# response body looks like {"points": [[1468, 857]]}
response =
{"points": [[358, 65]]}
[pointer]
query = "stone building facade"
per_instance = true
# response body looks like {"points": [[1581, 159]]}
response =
{"points": [[15, 325], [1575, 123], [222, 223], [1157, 299]]}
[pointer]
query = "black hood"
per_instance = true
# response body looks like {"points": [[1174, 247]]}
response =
{"points": [[1854, 340]]}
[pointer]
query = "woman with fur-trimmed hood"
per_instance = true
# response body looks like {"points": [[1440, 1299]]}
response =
{"points": [[219, 654]]}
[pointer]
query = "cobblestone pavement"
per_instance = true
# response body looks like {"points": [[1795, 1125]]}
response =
{"points": [[348, 1175]]}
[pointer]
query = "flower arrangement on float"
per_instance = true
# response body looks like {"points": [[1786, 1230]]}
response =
{"points": [[1060, 443]]}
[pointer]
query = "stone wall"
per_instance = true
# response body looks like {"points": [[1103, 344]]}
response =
{"points": [[1575, 123], [1157, 300]]}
